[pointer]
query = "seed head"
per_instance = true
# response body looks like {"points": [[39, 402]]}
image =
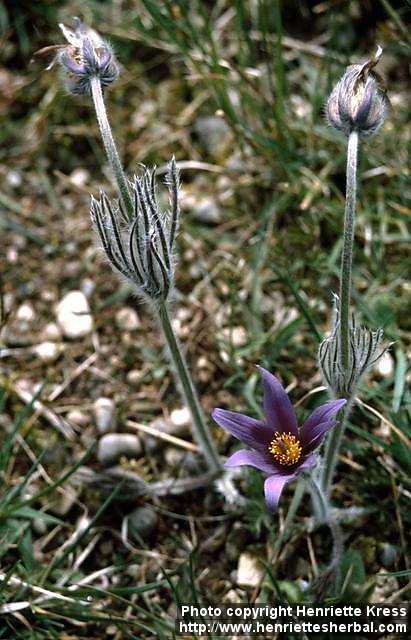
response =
{"points": [[358, 102], [86, 56], [141, 249], [365, 351]]}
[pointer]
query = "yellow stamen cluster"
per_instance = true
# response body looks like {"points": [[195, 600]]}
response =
{"points": [[285, 448]]}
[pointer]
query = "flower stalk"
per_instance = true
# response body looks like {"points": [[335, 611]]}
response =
{"points": [[200, 429], [357, 107], [110, 145], [136, 235], [347, 252]]}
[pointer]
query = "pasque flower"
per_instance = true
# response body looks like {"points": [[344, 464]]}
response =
{"points": [[86, 56], [279, 447]]}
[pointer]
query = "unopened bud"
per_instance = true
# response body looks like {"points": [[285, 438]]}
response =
{"points": [[86, 56], [358, 102]]}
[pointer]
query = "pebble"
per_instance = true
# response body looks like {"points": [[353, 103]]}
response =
{"points": [[142, 522], [78, 417], [134, 377], [87, 287], [249, 571], [207, 210], [47, 351], [73, 315], [114, 445], [79, 177], [25, 313], [127, 319], [51, 332], [104, 414], [385, 365], [180, 417], [173, 457]]}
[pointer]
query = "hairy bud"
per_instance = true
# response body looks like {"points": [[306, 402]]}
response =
{"points": [[358, 102], [365, 351], [141, 249], [86, 56]]}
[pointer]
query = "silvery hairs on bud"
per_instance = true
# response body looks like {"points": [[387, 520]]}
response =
{"points": [[365, 351], [141, 248], [358, 102], [86, 56]]}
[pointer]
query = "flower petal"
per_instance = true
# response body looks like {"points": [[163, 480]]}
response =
{"points": [[279, 412], [252, 459], [310, 462], [324, 413], [318, 434], [252, 432], [273, 488]]}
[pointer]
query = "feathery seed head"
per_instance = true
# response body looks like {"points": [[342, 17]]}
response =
{"points": [[141, 249], [358, 102], [365, 351], [86, 56]]}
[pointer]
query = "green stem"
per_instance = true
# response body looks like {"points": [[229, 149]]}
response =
{"points": [[110, 146], [334, 439], [346, 259], [332, 449], [295, 503], [200, 428], [338, 544]]}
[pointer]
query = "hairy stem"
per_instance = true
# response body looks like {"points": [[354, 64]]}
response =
{"points": [[332, 449], [110, 146], [326, 516], [293, 508], [346, 259], [200, 428]]}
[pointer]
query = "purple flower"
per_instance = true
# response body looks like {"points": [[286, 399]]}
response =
{"points": [[278, 447]]}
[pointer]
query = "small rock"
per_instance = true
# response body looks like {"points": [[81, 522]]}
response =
{"points": [[66, 501], [385, 365], [87, 287], [127, 319], [134, 377], [207, 210], [173, 457], [77, 417], [114, 445], [48, 351], [25, 313], [51, 332], [79, 177], [103, 409], [142, 522], [249, 571], [14, 178], [73, 315], [180, 417]]}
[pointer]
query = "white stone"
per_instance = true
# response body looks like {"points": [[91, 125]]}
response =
{"points": [[114, 445], [385, 365], [51, 332], [249, 571], [25, 313], [87, 286], [134, 377], [73, 315], [48, 351], [78, 417], [104, 409], [127, 319], [79, 177], [180, 417]]}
